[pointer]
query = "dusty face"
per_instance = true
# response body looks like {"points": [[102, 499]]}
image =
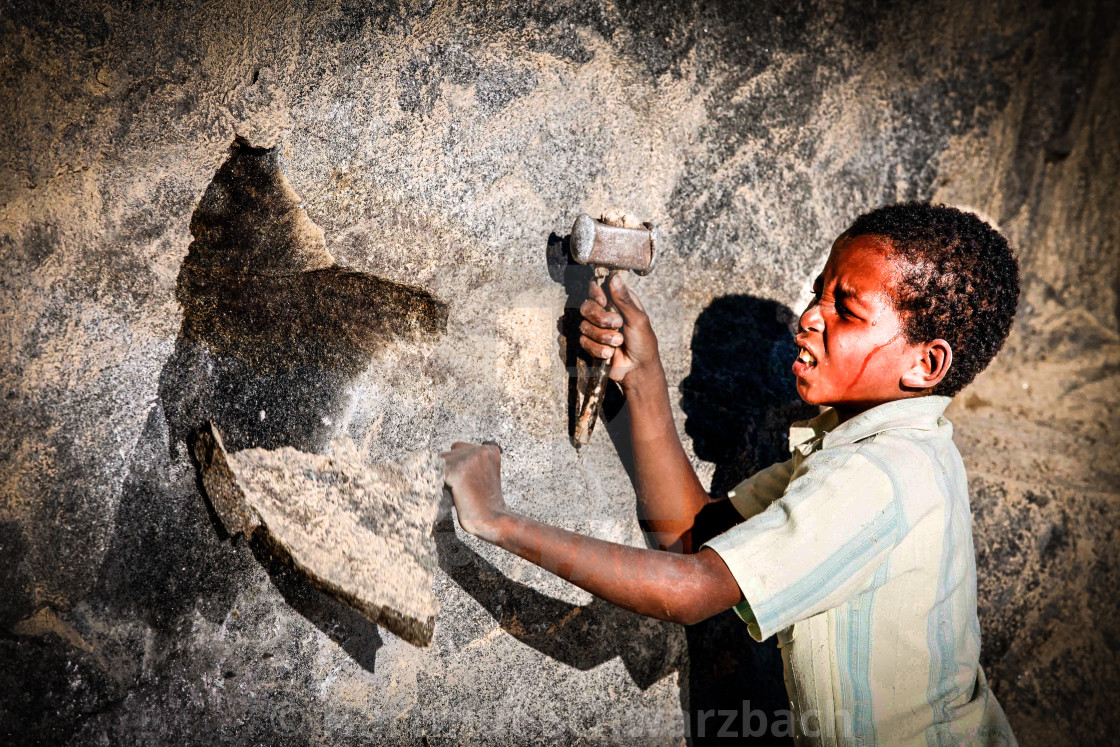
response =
{"points": [[852, 352]]}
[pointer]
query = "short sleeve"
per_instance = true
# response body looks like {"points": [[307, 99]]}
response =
{"points": [[816, 546], [752, 496]]}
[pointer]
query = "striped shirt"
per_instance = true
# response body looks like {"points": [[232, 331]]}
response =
{"points": [[858, 554]]}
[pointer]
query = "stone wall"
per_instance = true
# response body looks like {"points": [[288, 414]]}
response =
{"points": [[447, 148]]}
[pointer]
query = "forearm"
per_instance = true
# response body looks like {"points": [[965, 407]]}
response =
{"points": [[670, 494], [678, 588]]}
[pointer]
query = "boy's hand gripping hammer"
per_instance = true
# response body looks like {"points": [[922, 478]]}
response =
{"points": [[609, 249]]}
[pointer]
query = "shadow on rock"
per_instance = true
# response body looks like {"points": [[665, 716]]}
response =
{"points": [[355, 634], [273, 330], [273, 334], [575, 279], [581, 636], [739, 399]]}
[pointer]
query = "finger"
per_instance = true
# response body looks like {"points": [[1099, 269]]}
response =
{"points": [[618, 371], [597, 294], [599, 316], [623, 297], [452, 465], [600, 335], [596, 349], [495, 444], [457, 452]]}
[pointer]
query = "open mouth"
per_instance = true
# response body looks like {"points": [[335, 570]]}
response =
{"points": [[806, 357]]}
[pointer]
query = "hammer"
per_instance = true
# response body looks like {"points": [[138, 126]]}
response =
{"points": [[609, 249]]}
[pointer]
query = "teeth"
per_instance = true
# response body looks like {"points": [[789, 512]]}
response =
{"points": [[806, 357]]}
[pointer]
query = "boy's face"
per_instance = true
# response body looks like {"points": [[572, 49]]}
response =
{"points": [[853, 354]]}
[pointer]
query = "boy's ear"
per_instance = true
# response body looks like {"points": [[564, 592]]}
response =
{"points": [[930, 366]]}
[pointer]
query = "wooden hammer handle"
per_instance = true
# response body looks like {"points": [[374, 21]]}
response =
{"points": [[596, 375]]}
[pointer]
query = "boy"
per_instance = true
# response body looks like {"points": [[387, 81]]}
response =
{"points": [[857, 552]]}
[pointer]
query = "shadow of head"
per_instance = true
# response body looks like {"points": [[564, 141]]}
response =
{"points": [[740, 395]]}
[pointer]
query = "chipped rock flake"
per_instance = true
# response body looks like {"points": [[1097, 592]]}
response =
{"points": [[360, 532]]}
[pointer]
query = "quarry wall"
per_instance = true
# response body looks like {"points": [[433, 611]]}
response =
{"points": [[446, 148]]}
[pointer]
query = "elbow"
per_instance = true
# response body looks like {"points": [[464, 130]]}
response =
{"points": [[690, 612], [688, 604], [691, 615], [704, 589]]}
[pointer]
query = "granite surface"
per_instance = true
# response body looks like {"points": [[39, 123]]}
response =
{"points": [[389, 266]]}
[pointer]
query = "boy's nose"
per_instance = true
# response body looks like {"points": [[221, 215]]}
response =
{"points": [[811, 320]]}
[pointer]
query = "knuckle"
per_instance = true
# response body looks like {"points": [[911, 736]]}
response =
{"points": [[594, 348]]}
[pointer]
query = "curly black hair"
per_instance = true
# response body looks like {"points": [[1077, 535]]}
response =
{"points": [[958, 281]]}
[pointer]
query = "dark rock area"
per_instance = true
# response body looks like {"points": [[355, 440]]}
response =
{"points": [[380, 256]]}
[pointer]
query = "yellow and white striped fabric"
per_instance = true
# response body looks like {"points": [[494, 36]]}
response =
{"points": [[858, 554]]}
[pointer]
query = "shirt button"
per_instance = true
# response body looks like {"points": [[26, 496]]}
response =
{"points": [[942, 421]]}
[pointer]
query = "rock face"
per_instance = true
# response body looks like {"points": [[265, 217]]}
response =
{"points": [[361, 533], [152, 279]]}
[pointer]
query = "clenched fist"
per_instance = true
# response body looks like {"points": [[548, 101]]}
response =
{"points": [[473, 472], [625, 337]]}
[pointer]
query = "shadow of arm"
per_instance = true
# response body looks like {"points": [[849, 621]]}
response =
{"points": [[580, 636]]}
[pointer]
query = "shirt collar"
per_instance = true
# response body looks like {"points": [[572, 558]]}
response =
{"points": [[922, 413]]}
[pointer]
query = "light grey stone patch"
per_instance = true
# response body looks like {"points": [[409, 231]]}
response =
{"points": [[360, 532]]}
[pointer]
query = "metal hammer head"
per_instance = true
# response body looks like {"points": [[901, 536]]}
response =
{"points": [[597, 243]]}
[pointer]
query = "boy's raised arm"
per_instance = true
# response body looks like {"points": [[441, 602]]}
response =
{"points": [[670, 586], [670, 495]]}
